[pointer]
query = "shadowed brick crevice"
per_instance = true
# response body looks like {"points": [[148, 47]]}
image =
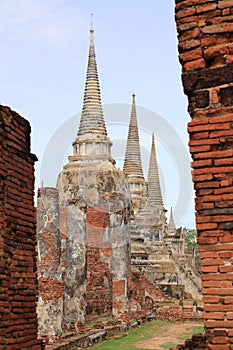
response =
{"points": [[205, 45], [18, 278]]}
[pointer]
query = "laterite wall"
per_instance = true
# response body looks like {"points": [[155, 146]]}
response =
{"points": [[205, 33]]}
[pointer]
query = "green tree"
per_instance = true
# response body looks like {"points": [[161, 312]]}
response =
{"points": [[190, 236]]}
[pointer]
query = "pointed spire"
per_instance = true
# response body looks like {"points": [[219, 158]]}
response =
{"points": [[92, 121], [132, 163], [171, 224], [154, 190]]}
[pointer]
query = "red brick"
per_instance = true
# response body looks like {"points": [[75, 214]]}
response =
{"points": [[212, 52], [217, 307], [191, 55], [202, 163], [201, 206], [220, 133], [218, 324], [215, 154], [214, 261], [204, 142], [225, 239], [187, 45], [209, 299], [226, 268], [206, 8], [214, 96], [214, 255], [214, 315], [188, 3], [207, 226], [119, 288], [224, 127], [228, 300], [217, 284], [196, 64], [220, 340], [221, 28], [208, 269], [225, 3], [219, 291], [229, 189], [223, 161], [185, 13]]}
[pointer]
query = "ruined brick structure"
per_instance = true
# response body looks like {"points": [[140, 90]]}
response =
{"points": [[18, 280], [158, 248], [83, 227], [206, 53]]}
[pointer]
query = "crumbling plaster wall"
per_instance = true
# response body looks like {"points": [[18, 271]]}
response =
{"points": [[205, 33], [50, 282], [86, 222]]}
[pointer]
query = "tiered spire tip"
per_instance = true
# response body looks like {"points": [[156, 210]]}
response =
{"points": [[154, 190], [132, 162], [92, 120], [171, 224]]}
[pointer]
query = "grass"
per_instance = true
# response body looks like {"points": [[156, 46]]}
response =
{"points": [[145, 332], [184, 336]]}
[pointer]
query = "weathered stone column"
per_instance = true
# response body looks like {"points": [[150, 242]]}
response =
{"points": [[114, 206], [50, 283], [205, 45], [73, 226]]}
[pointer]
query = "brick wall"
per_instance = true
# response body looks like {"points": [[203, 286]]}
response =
{"points": [[99, 263], [18, 283], [205, 33], [99, 281]]}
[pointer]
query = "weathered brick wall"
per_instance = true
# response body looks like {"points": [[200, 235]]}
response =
{"points": [[99, 263], [206, 53], [141, 290], [107, 254], [18, 282], [99, 281]]}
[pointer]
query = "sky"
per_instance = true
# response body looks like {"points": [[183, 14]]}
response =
{"points": [[43, 59]]}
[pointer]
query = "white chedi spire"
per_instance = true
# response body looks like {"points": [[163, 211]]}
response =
{"points": [[92, 139], [171, 224], [154, 190], [132, 162]]}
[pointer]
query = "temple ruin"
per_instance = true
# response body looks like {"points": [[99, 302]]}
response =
{"points": [[102, 227], [205, 48]]}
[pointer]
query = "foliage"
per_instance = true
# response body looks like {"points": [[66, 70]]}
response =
{"points": [[190, 236]]}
